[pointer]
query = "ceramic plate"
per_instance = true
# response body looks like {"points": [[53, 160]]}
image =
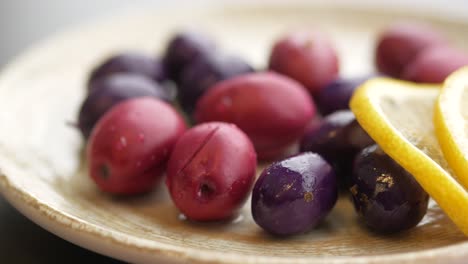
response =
{"points": [[43, 172]]}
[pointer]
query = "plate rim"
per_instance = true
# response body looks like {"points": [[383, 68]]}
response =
{"points": [[71, 228]]}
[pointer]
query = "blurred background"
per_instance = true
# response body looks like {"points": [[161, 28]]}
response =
{"points": [[24, 22]]}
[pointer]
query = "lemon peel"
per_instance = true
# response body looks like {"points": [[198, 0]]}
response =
{"points": [[450, 124]]}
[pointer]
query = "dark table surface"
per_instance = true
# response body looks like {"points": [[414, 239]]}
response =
{"points": [[22, 241]]}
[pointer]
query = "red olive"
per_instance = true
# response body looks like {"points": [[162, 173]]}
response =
{"points": [[400, 43], [130, 144], [211, 171], [271, 109], [435, 64], [307, 57]]}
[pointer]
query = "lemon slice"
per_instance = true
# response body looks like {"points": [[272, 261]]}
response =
{"points": [[398, 116], [451, 123]]}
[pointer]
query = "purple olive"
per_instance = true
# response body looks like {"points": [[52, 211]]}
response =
{"points": [[355, 137], [183, 48], [386, 196], [129, 63], [204, 72], [292, 196], [112, 90], [336, 95], [337, 138]]}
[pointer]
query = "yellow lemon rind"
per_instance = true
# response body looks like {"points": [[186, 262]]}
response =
{"points": [[451, 137]]}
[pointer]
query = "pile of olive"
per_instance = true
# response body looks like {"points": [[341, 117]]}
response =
{"points": [[295, 113]]}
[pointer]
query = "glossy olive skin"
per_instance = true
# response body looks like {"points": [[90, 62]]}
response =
{"points": [[129, 147], [337, 138], [273, 110], [112, 90], [386, 196], [434, 65], [308, 57], [400, 43], [336, 95], [204, 72], [130, 62], [183, 48], [293, 195], [211, 171]]}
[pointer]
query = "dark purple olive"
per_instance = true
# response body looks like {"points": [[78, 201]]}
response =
{"points": [[135, 63], [386, 196], [292, 196], [337, 138], [183, 48], [355, 137], [204, 72], [112, 90], [336, 95]]}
